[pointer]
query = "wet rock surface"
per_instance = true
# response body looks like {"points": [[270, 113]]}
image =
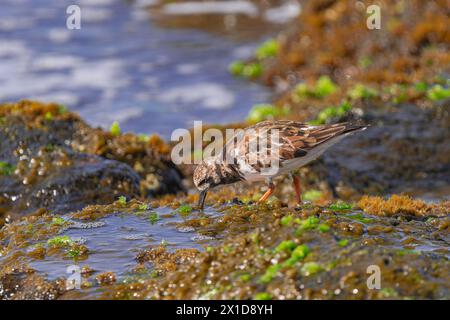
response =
{"points": [[230, 251], [51, 159], [136, 248], [405, 149]]}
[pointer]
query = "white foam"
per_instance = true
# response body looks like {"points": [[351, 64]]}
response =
{"points": [[187, 68], [209, 95], [284, 13], [55, 62], [211, 7]]}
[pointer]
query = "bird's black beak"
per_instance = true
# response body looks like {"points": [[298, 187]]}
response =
{"points": [[201, 199]]}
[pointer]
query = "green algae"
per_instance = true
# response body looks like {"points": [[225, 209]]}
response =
{"points": [[58, 221], [60, 241], [438, 92], [312, 195], [185, 210], [330, 113], [270, 273], [261, 112], [340, 206], [311, 268], [262, 296], [361, 91], [343, 242], [287, 245], [309, 223], [268, 49], [359, 217], [6, 168], [287, 220], [122, 200], [323, 87], [153, 217], [323, 227], [248, 70], [115, 129]]}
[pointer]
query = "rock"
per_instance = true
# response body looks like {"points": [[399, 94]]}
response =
{"points": [[405, 149], [52, 159]]}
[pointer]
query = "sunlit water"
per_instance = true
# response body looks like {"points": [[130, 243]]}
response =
{"points": [[120, 66], [115, 241]]}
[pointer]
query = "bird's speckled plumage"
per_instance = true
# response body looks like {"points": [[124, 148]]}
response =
{"points": [[297, 144]]}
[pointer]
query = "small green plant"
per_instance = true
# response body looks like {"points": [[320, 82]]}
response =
{"points": [[365, 62], [247, 70], [421, 86], [48, 116], [398, 93], [359, 217], [310, 268], [323, 227], [299, 253], [329, 113], [153, 217], [227, 249], [76, 251], [438, 92], [343, 242], [62, 109], [312, 195], [323, 87], [263, 296], [58, 221], [252, 70], [286, 245], [388, 293], [115, 129], [143, 137], [268, 49], [60, 241], [122, 200], [340, 206], [360, 91], [270, 273], [143, 207], [185, 210], [309, 223], [236, 68], [286, 220], [260, 112], [246, 277], [6, 169], [402, 252]]}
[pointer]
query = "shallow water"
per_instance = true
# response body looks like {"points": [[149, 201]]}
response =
{"points": [[120, 66], [115, 241]]}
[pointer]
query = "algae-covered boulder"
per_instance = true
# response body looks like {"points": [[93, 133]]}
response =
{"points": [[165, 249], [51, 159], [405, 149]]}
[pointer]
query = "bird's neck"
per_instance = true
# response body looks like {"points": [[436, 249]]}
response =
{"points": [[225, 173]]}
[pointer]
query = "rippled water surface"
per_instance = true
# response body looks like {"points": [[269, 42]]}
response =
{"points": [[115, 241], [120, 66]]}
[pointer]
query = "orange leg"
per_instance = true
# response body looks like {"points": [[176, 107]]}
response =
{"points": [[268, 192], [297, 188]]}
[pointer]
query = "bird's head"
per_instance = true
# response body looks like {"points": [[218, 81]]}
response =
{"points": [[205, 178]]}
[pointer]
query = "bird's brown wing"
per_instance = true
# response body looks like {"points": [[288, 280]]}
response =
{"points": [[296, 140]]}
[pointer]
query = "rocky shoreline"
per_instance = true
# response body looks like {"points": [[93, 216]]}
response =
{"points": [[115, 205]]}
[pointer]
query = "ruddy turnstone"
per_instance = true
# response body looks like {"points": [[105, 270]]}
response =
{"points": [[296, 144]]}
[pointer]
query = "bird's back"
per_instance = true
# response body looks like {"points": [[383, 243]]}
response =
{"points": [[279, 146]]}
